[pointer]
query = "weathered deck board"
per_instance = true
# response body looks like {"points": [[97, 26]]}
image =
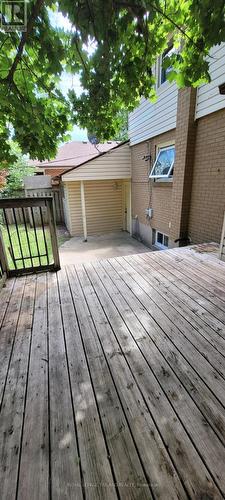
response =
{"points": [[140, 321], [191, 352], [112, 379], [8, 331], [34, 467], [64, 457], [12, 411], [193, 280], [152, 382], [6, 293], [144, 431], [183, 297], [93, 452], [189, 337]]}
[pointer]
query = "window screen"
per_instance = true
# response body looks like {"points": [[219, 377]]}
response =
{"points": [[164, 163]]}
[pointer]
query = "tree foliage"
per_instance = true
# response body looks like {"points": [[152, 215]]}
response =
{"points": [[17, 170], [127, 35]]}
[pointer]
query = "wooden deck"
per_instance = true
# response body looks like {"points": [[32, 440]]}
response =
{"points": [[112, 380]]}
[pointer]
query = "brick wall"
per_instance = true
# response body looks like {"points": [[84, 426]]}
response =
{"points": [[208, 186], [55, 171], [161, 204], [194, 203], [147, 193], [183, 167]]}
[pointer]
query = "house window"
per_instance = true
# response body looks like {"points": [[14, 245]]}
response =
{"points": [[160, 240], [164, 70], [164, 162]]}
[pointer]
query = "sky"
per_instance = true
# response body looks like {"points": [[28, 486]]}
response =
{"points": [[68, 81]]}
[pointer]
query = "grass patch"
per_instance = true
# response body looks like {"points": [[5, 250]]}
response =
{"points": [[27, 246]]}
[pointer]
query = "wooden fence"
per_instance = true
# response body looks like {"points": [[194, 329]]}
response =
{"points": [[55, 194]]}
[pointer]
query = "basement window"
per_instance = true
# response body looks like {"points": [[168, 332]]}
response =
{"points": [[160, 240], [164, 162]]}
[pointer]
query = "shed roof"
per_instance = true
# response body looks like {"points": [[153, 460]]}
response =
{"points": [[74, 153]]}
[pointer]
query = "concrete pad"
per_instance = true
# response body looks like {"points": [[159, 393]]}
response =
{"points": [[76, 251]]}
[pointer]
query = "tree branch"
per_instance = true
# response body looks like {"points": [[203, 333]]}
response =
{"points": [[34, 13], [75, 40], [132, 6], [92, 20]]}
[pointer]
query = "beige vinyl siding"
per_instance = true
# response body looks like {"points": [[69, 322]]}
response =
{"points": [[208, 97], [115, 164], [74, 208], [66, 208], [103, 206]]}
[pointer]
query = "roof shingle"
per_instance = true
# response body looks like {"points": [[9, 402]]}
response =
{"points": [[74, 153]]}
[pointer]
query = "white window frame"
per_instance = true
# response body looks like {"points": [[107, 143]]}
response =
{"points": [[160, 245], [159, 150], [160, 63]]}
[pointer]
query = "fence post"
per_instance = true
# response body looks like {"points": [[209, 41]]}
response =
{"points": [[3, 256], [53, 235]]}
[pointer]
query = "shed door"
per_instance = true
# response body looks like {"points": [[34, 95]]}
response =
{"points": [[103, 201]]}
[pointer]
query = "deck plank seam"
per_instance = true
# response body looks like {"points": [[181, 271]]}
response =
{"points": [[49, 403]]}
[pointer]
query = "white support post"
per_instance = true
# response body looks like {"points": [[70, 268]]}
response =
{"points": [[124, 206], [82, 194]]}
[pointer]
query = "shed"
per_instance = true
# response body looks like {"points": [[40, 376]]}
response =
{"points": [[97, 194]]}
